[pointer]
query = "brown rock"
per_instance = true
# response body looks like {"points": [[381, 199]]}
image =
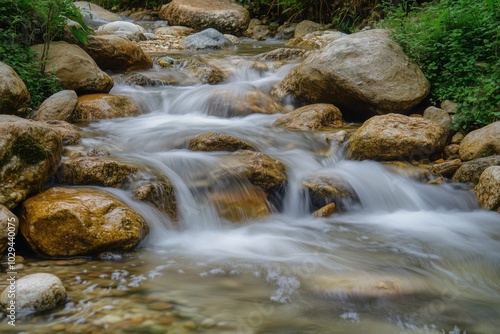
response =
{"points": [[393, 136], [488, 188], [305, 27], [29, 154], [311, 117], [408, 170], [70, 135], [224, 15], [9, 224], [457, 138], [365, 73], [288, 54], [72, 222], [75, 68], [325, 211], [451, 151], [470, 171], [438, 116], [176, 31], [241, 204], [202, 71], [213, 141], [325, 189], [60, 106], [14, 96], [158, 191], [481, 143], [115, 53], [102, 106], [98, 171], [447, 168]]}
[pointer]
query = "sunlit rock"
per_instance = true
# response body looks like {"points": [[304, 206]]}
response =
{"points": [[59, 106], [14, 96], [35, 293], [213, 141], [488, 189], [115, 53], [394, 136], [470, 171], [93, 107], [239, 204], [9, 224], [224, 15], [311, 117], [365, 73], [79, 221], [481, 143], [29, 154], [75, 68]]}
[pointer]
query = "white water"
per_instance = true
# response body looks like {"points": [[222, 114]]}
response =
{"points": [[431, 241]]}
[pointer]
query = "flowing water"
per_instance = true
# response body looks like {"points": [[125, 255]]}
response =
{"points": [[406, 257]]}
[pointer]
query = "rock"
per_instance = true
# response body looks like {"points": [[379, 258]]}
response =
{"points": [[228, 102], [451, 151], [283, 54], [176, 31], [326, 189], [449, 106], [240, 204], [168, 77], [128, 30], [14, 96], [114, 53], [260, 169], [79, 221], [447, 168], [313, 41], [311, 117], [457, 138], [60, 106], [365, 73], [103, 106], [224, 15], [206, 39], [394, 136], [95, 15], [408, 170], [29, 154], [286, 31], [305, 27], [470, 171], [69, 134], [488, 189], [325, 211], [199, 69], [439, 116], [35, 293], [481, 143], [213, 141], [233, 39], [98, 171], [8, 228], [75, 68]]}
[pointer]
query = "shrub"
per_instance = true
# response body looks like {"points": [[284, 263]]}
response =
{"points": [[456, 43]]}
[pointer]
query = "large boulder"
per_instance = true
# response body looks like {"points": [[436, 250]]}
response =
{"points": [[8, 228], [471, 171], [75, 68], [365, 73], [114, 53], [35, 293], [311, 117], [394, 136], [488, 189], [95, 15], [60, 106], [481, 143], [213, 141], [98, 171], [206, 39], [14, 96], [103, 106], [79, 221], [29, 155], [224, 15]]}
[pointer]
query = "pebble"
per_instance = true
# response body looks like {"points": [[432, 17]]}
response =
{"points": [[160, 306]]}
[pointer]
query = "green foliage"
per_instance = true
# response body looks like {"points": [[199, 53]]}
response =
{"points": [[456, 43], [26, 22]]}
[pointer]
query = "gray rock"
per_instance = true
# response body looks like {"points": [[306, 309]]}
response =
{"points": [[59, 106], [206, 39], [472, 170], [35, 293], [9, 224]]}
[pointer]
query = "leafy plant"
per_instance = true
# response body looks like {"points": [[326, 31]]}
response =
{"points": [[456, 44]]}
